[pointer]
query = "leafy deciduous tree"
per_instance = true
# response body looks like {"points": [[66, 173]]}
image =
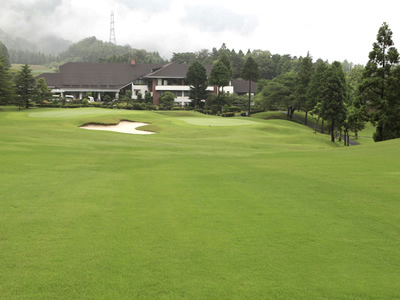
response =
{"points": [[279, 93]]}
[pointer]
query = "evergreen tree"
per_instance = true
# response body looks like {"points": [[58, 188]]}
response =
{"points": [[5, 57], [314, 91], [6, 85], [167, 101], [379, 88], [220, 76], [224, 58], [25, 83], [250, 73], [41, 92], [196, 77], [303, 79], [334, 91]]}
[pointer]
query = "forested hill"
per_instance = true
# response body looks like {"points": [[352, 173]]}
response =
{"points": [[54, 51], [94, 50]]}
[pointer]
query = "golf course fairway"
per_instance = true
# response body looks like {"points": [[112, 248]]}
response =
{"points": [[206, 208]]}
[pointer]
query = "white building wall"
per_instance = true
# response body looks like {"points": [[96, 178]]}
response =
{"points": [[138, 89]]}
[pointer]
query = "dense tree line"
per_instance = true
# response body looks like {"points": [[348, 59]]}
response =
{"points": [[341, 94], [269, 65], [31, 58]]}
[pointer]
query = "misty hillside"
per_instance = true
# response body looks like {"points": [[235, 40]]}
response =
{"points": [[49, 45], [53, 51], [93, 50]]}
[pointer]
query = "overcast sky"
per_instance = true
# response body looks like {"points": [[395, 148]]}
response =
{"points": [[332, 30]]}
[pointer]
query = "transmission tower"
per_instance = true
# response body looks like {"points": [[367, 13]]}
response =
{"points": [[112, 29]]}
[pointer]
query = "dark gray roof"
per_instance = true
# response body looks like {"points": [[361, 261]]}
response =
{"points": [[117, 75], [242, 86], [95, 75], [174, 70]]}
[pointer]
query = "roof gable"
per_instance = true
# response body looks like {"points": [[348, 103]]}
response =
{"points": [[174, 70]]}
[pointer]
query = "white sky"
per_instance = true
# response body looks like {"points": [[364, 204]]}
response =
{"points": [[332, 30]]}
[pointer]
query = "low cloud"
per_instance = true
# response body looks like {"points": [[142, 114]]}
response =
{"points": [[218, 19]]}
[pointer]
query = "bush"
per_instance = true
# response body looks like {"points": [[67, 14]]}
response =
{"points": [[71, 105], [228, 114], [214, 109], [85, 102], [95, 104], [176, 108], [137, 106], [235, 108]]}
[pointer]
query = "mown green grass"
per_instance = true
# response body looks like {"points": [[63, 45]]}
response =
{"points": [[36, 69], [267, 209]]}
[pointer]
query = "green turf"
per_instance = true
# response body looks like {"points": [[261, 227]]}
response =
{"points": [[267, 210], [36, 69]]}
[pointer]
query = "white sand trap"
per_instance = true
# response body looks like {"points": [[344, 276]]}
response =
{"points": [[123, 126]]}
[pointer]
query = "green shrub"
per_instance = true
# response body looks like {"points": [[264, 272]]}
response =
{"points": [[228, 114], [137, 106], [214, 109], [95, 104], [235, 108], [85, 102]]}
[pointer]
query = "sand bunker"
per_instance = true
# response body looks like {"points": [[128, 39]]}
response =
{"points": [[123, 126]]}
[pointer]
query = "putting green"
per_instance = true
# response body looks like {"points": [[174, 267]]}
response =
{"points": [[217, 121]]}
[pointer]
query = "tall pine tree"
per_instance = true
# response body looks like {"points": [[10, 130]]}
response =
{"points": [[303, 79], [25, 83], [196, 77], [380, 86]]}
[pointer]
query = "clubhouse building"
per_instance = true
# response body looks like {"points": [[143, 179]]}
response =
{"points": [[77, 79]]}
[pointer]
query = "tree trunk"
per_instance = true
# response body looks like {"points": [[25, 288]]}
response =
{"points": [[316, 125], [305, 120], [356, 133], [249, 95], [288, 113], [322, 126], [291, 112], [332, 131], [218, 102]]}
